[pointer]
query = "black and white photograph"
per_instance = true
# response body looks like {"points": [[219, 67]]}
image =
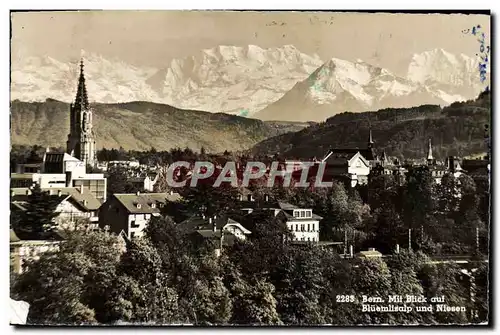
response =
{"points": [[212, 168]]}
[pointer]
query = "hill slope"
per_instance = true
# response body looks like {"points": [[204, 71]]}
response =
{"points": [[142, 125], [455, 130]]}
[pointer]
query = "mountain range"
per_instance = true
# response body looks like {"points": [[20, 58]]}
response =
{"points": [[271, 84]]}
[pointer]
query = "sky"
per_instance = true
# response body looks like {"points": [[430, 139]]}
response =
{"points": [[153, 38]]}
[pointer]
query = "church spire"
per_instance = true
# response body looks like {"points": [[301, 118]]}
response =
{"points": [[370, 139], [81, 100], [430, 158]]}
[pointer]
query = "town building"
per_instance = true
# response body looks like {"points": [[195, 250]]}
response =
{"points": [[81, 139], [351, 164], [22, 251], [77, 206], [145, 181], [60, 170], [130, 213], [218, 231], [302, 222]]}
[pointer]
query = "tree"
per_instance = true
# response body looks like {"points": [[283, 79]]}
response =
{"points": [[69, 286], [371, 277], [145, 295], [404, 268], [298, 282], [418, 197], [253, 302], [443, 280], [38, 220], [118, 182], [209, 200]]}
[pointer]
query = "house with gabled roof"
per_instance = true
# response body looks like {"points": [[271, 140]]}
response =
{"points": [[76, 204], [219, 231], [302, 222], [130, 213]]}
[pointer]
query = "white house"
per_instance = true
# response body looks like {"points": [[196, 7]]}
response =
{"points": [[350, 163], [302, 222]]}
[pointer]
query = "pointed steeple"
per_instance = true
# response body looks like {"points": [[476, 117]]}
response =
{"points": [[81, 100], [429, 151], [370, 139], [384, 157]]}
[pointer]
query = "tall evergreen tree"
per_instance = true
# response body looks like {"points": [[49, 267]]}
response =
{"points": [[38, 221]]}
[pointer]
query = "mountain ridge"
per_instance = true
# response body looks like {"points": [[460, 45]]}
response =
{"points": [[457, 129], [141, 125], [247, 79]]}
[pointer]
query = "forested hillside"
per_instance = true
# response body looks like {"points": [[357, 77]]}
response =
{"points": [[457, 129]]}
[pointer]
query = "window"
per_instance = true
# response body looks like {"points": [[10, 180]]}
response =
{"points": [[313, 227], [296, 227], [308, 214], [133, 224], [153, 205], [132, 234], [308, 239], [291, 227], [303, 227], [302, 214], [296, 214], [308, 227]]}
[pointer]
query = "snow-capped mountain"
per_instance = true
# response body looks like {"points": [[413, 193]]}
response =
{"points": [[232, 79], [278, 83], [439, 67], [39, 78], [222, 79], [340, 85]]}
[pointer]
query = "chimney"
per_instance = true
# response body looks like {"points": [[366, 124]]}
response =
{"points": [[267, 198], [171, 192], [210, 220], [85, 202], [81, 189], [397, 248], [138, 193], [351, 251], [59, 193]]}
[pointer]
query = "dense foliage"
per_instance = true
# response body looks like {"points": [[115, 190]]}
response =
{"points": [[162, 279]]}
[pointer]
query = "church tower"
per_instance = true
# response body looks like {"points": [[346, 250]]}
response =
{"points": [[81, 139]]}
